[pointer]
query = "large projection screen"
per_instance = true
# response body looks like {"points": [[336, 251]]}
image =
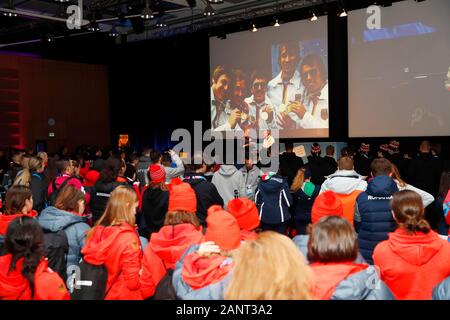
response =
{"points": [[399, 75], [275, 78]]}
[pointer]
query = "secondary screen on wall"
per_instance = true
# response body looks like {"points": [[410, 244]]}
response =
{"points": [[275, 78], [399, 75]]}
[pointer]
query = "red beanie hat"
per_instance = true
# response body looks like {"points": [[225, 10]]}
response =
{"points": [[365, 147], [157, 173], [245, 212], [91, 178], [222, 228], [182, 198], [326, 204]]}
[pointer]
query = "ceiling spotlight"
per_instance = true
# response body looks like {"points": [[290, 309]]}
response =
{"points": [[48, 38], [93, 26], [10, 14], [113, 33], [216, 1], [161, 23], [254, 29], [147, 13], [276, 25], [62, 1], [342, 13], [209, 10], [313, 17]]}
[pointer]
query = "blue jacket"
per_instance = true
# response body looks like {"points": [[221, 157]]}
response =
{"points": [[303, 204], [53, 219], [185, 292], [442, 290], [373, 217], [273, 199]]}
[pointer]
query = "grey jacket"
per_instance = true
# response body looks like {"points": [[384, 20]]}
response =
{"points": [[178, 171], [442, 290], [228, 179], [53, 219], [251, 179]]}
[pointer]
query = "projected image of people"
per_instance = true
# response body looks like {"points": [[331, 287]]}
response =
{"points": [[271, 80]]}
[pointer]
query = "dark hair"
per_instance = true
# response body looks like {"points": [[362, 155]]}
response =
{"points": [[180, 217], [15, 199], [25, 239], [291, 46], [155, 156], [258, 75], [289, 146], [444, 184], [68, 198], [218, 72], [166, 158], [381, 167], [408, 210], [51, 171], [110, 171], [62, 165], [313, 58], [332, 239], [147, 151], [329, 150]]}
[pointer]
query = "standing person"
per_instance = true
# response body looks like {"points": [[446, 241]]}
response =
{"points": [[142, 167], [104, 186], [347, 184], [18, 203], [114, 243], [155, 199], [317, 165], [220, 91], [289, 162], [441, 206], [363, 159], [178, 171], [32, 177], [329, 159], [14, 169], [24, 272], [4, 165], [68, 215], [180, 231], [205, 191], [414, 259], [252, 175], [304, 193], [130, 172], [395, 156], [229, 182], [66, 169], [373, 218], [273, 254], [332, 250], [273, 199]]}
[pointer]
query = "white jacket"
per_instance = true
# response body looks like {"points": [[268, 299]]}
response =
{"points": [[344, 182], [427, 198]]}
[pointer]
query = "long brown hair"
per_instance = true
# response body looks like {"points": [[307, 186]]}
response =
{"points": [[408, 210], [68, 198], [298, 181], [180, 217], [396, 176], [15, 199], [281, 272]]}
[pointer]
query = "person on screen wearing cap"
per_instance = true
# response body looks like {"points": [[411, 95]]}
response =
{"points": [[220, 90], [311, 111], [261, 108], [286, 86], [363, 159], [204, 270]]}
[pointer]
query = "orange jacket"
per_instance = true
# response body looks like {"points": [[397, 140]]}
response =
{"points": [[348, 203], [165, 248], [14, 286], [118, 248], [6, 219], [411, 265]]}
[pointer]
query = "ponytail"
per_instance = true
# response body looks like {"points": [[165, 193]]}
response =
{"points": [[408, 210], [298, 180], [23, 179]]}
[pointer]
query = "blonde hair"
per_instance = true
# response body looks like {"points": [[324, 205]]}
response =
{"points": [[298, 180], [396, 176], [118, 207], [270, 268], [24, 178]]}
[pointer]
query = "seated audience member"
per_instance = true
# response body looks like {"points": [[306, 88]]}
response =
{"points": [[24, 272], [204, 270], [167, 160], [373, 218], [273, 199], [347, 184], [282, 273], [304, 192], [181, 230], [205, 191], [155, 199], [414, 259], [68, 215], [332, 248], [246, 214], [114, 243], [18, 203], [229, 182]]}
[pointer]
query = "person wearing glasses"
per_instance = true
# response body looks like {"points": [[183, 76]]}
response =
{"points": [[260, 106], [312, 109]]}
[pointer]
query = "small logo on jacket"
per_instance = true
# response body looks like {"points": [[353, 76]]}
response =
{"points": [[379, 198]]}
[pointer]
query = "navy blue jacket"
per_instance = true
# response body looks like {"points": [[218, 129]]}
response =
{"points": [[373, 217], [273, 199], [303, 203]]}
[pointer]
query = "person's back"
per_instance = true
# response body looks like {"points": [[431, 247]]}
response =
{"points": [[142, 168], [414, 259], [373, 218], [290, 163], [229, 181]]}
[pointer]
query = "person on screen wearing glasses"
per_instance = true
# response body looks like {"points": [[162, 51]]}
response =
{"points": [[312, 109], [261, 108], [219, 97], [286, 86]]}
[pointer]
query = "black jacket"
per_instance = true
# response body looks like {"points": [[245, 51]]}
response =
{"points": [[318, 167], [155, 203], [206, 192], [331, 166], [424, 173], [289, 165], [100, 195], [142, 169], [38, 188], [362, 164]]}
